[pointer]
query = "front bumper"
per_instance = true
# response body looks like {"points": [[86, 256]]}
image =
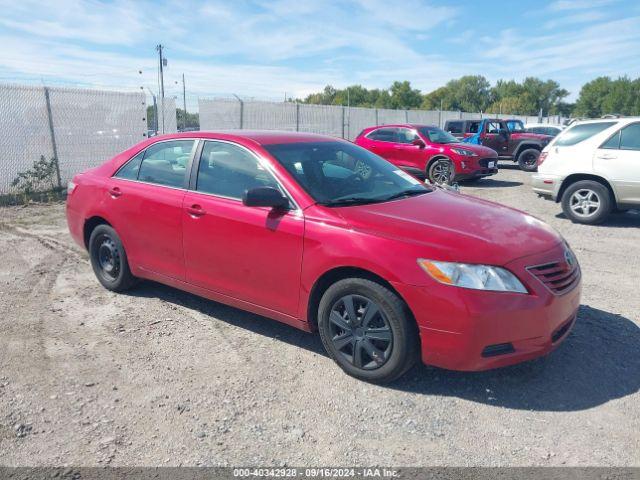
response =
{"points": [[471, 168], [462, 329], [546, 185]]}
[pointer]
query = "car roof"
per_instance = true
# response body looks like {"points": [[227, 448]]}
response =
{"points": [[260, 137], [542, 125], [623, 120]]}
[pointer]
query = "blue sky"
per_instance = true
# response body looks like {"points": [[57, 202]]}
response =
{"points": [[266, 48]]}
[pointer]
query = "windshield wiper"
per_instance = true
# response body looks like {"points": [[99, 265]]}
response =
{"points": [[349, 201], [406, 193]]}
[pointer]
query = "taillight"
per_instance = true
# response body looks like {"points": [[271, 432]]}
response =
{"points": [[542, 157], [71, 186]]}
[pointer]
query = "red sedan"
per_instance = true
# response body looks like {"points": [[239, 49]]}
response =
{"points": [[325, 236], [427, 151]]}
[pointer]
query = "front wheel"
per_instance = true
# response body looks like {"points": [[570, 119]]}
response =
{"points": [[528, 159], [587, 202], [441, 172], [109, 259], [367, 330]]}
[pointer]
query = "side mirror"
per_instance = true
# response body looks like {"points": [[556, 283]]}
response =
{"points": [[418, 142], [265, 197]]}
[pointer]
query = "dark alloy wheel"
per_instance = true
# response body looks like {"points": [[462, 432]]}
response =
{"points": [[360, 332], [441, 172], [368, 330], [109, 259], [528, 159]]}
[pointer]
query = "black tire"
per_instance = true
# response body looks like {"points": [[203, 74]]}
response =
{"points": [[109, 259], [528, 159], [436, 173], [587, 202], [389, 358]]}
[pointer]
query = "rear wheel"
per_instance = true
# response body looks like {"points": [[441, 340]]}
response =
{"points": [[528, 159], [109, 259], [367, 330], [441, 172], [587, 202]]}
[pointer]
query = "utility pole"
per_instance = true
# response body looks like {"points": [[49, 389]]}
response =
{"points": [[162, 62], [155, 111], [348, 114], [184, 105]]}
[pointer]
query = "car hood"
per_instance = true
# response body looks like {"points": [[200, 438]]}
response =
{"points": [[480, 150], [455, 227]]}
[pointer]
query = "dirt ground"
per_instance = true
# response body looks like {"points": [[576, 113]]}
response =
{"points": [[161, 377]]}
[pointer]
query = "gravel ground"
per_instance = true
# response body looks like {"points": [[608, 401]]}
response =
{"points": [[161, 377]]}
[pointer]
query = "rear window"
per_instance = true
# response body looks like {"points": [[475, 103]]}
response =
{"points": [[579, 133], [454, 127]]}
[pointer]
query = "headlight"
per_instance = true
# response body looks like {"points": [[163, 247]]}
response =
{"points": [[464, 152], [477, 277]]}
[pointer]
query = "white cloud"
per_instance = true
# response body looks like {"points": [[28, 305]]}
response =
{"points": [[265, 47]]}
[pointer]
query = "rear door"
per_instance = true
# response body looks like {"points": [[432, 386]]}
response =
{"points": [[382, 142], [145, 198], [618, 159], [250, 253]]}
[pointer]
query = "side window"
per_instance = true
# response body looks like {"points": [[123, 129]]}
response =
{"points": [[165, 163], [383, 135], [454, 127], [493, 127], [630, 137], [473, 127], [229, 170], [130, 169], [613, 143], [406, 136]]}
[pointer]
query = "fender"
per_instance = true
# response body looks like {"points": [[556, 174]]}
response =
{"points": [[576, 177], [522, 143]]}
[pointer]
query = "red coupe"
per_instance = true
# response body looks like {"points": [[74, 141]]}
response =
{"points": [[325, 236]]}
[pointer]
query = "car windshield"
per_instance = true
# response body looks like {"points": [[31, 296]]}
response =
{"points": [[515, 126], [437, 135], [341, 173]]}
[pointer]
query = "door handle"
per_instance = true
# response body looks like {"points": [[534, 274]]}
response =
{"points": [[607, 156], [195, 211], [115, 192]]}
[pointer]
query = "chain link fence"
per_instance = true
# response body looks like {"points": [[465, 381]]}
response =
{"points": [[82, 128], [335, 120]]}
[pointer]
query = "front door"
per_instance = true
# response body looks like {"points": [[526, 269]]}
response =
{"points": [[495, 136], [618, 159], [410, 156], [250, 253]]}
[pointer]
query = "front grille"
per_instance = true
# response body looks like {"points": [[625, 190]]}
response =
{"points": [[559, 277], [498, 349], [484, 163]]}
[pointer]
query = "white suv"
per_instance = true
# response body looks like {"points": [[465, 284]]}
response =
{"points": [[592, 168]]}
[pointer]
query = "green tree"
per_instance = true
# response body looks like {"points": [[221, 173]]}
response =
{"points": [[403, 96], [528, 97], [591, 98]]}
